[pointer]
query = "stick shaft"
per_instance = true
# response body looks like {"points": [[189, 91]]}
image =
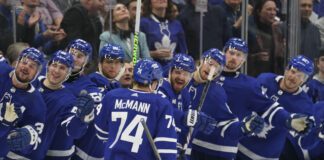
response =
{"points": [[149, 137]]}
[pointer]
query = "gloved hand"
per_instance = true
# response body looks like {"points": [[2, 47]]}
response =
{"points": [[300, 123], [21, 138], [11, 113], [200, 120], [85, 106], [253, 124], [113, 85]]}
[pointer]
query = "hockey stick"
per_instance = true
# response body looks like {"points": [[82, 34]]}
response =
{"points": [[200, 105], [149, 137], [137, 24]]}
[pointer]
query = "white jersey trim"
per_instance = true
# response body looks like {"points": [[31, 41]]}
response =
{"points": [[214, 147], [16, 156], [61, 153], [165, 139], [251, 154], [228, 125], [266, 113], [102, 138], [100, 130], [171, 151], [80, 153]]}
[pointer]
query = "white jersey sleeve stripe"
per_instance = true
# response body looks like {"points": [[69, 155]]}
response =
{"points": [[268, 112], [251, 154], [214, 147], [226, 126], [100, 130], [84, 155], [102, 138], [171, 151], [165, 139], [223, 123], [61, 153], [273, 113], [12, 155]]}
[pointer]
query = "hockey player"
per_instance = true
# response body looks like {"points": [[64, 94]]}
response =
{"points": [[126, 80], [316, 151], [217, 145], [123, 109], [81, 52], [58, 108], [310, 146], [287, 92], [111, 62], [315, 86], [245, 96], [22, 110], [174, 89]]}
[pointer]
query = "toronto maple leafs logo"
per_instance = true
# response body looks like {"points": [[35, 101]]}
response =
{"points": [[266, 129], [166, 44]]}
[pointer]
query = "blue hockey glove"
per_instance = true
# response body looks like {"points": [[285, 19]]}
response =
{"points": [[200, 120], [85, 106], [300, 123], [21, 138], [11, 113], [253, 124], [113, 85]]}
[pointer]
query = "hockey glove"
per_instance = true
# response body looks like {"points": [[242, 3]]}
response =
{"points": [[21, 138], [300, 123], [11, 114], [200, 120], [252, 124], [113, 85], [85, 106]]}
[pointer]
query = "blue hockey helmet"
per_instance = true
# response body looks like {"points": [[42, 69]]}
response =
{"points": [[82, 46], [237, 44], [112, 51], [215, 54], [303, 64], [62, 57], [33, 54], [184, 62], [145, 71]]}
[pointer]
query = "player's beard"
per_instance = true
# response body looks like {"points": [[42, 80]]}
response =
{"points": [[23, 76], [232, 65]]}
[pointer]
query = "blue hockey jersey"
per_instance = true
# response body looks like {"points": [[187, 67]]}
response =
{"points": [[228, 127], [32, 105], [181, 103], [88, 143], [245, 96], [119, 119], [58, 110], [315, 89], [298, 102], [166, 34], [101, 81]]}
